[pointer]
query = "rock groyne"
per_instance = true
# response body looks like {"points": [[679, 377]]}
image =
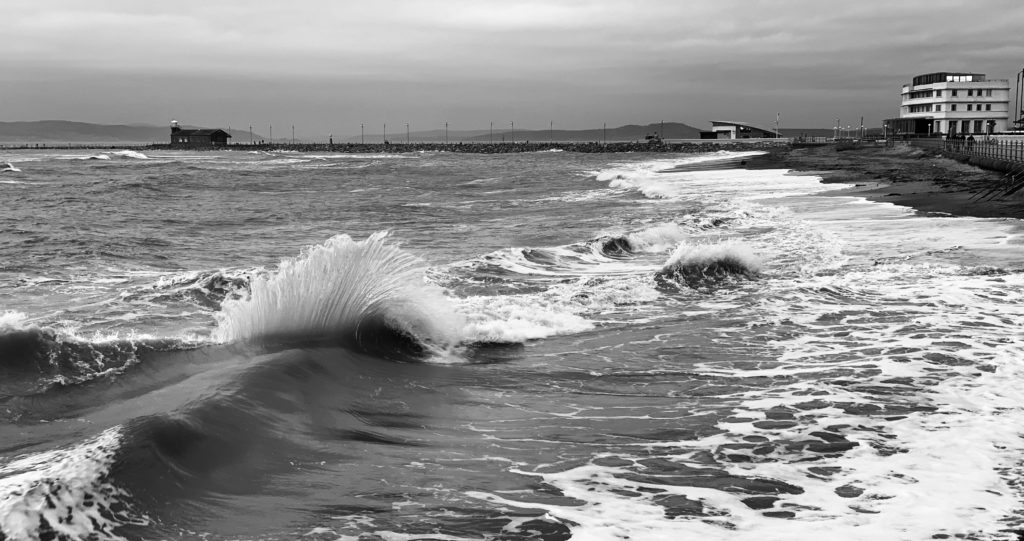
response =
{"points": [[492, 148]]}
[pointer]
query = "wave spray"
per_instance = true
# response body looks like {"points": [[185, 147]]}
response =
{"points": [[364, 293]]}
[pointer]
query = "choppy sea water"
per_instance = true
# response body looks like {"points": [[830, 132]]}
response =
{"points": [[232, 345]]}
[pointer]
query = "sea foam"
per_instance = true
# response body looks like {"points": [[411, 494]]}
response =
{"points": [[63, 494], [338, 290]]}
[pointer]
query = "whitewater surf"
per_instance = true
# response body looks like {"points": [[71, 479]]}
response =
{"points": [[233, 345]]}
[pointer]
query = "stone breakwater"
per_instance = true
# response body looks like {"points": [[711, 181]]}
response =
{"points": [[492, 148]]}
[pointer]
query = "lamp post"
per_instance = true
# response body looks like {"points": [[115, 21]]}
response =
{"points": [[513, 130], [446, 133], [251, 140], [407, 133], [385, 132], [551, 131], [362, 136], [492, 132]]}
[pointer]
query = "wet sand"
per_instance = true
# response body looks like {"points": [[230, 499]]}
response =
{"points": [[904, 175]]}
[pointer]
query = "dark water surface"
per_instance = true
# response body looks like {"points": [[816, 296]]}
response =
{"points": [[235, 345]]}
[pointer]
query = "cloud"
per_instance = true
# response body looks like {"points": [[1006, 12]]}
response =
{"points": [[575, 56]]}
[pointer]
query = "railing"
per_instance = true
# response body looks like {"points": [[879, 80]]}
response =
{"points": [[1010, 151]]}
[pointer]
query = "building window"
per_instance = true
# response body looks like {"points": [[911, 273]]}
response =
{"points": [[927, 108], [954, 93], [952, 107], [988, 93], [977, 126], [988, 106], [965, 126], [969, 106], [970, 92], [938, 93], [938, 108]]}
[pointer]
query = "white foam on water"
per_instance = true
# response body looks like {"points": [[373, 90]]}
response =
{"points": [[895, 336], [130, 154], [65, 488], [561, 309], [655, 179], [658, 238]]}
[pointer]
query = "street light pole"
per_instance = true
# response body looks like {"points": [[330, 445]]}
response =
{"points": [[513, 130], [407, 133], [492, 132], [362, 136]]}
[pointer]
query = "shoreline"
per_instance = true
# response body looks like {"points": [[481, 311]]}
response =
{"points": [[907, 176]]}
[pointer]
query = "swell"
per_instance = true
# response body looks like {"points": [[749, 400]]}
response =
{"points": [[35, 359], [220, 423]]}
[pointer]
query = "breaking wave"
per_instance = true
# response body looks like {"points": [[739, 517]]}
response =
{"points": [[659, 238], [366, 293], [705, 265], [33, 358], [206, 289], [131, 154]]}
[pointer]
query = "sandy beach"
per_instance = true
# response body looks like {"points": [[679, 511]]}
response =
{"points": [[925, 181]]}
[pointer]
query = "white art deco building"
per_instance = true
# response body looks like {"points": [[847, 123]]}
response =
{"points": [[955, 103]]}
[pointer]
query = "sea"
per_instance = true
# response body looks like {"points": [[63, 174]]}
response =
{"points": [[235, 345]]}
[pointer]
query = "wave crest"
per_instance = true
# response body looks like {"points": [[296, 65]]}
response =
{"points": [[704, 265], [362, 293]]}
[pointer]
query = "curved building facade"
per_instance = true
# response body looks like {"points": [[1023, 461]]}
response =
{"points": [[956, 103]]}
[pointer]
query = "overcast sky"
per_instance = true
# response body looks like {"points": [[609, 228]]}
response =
{"points": [[328, 66]]}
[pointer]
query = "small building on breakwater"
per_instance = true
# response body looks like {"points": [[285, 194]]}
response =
{"points": [[198, 137]]}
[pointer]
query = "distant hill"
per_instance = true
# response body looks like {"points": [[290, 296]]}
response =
{"points": [[64, 131]]}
